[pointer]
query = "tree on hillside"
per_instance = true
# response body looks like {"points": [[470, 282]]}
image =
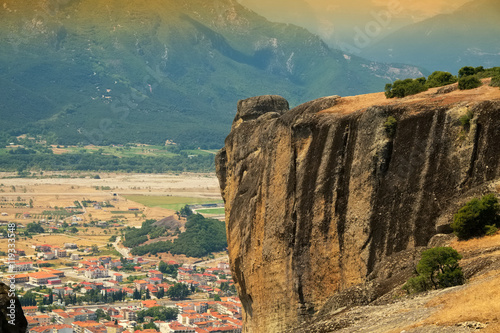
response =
{"points": [[466, 71], [34, 228], [161, 293], [162, 266], [178, 291], [438, 268], [136, 294], [186, 211], [439, 79], [407, 87], [469, 82]]}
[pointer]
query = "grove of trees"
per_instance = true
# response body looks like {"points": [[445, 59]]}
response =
{"points": [[202, 237], [468, 78]]}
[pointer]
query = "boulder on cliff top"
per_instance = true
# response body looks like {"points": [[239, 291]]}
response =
{"points": [[254, 107]]}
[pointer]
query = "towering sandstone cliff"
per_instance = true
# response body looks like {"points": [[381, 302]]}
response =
{"points": [[320, 199]]}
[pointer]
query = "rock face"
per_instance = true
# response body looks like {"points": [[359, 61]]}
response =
{"points": [[322, 204], [12, 319]]}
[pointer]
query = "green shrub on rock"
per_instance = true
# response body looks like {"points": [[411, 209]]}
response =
{"points": [[469, 82], [390, 126], [466, 71], [402, 88], [476, 217], [495, 81], [439, 79], [438, 268], [491, 230], [466, 119]]}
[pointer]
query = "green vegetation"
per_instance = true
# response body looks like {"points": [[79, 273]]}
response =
{"points": [[438, 268], [495, 81], [125, 212], [178, 291], [439, 79], [477, 218], [214, 211], [185, 211], [491, 230], [70, 93], [45, 264], [135, 237], [28, 299], [468, 78], [168, 269], [202, 237], [173, 203], [402, 88], [90, 162], [35, 228], [487, 72], [469, 82], [158, 313], [59, 213], [390, 126], [467, 71], [466, 119], [101, 314], [110, 252], [480, 72]]}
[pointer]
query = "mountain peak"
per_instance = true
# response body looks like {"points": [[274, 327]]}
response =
{"points": [[158, 70]]}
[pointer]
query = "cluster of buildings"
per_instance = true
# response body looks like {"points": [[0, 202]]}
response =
{"points": [[209, 281], [46, 276], [49, 252], [201, 317], [104, 274], [205, 317]]}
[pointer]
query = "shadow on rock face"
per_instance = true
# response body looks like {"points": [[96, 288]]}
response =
{"points": [[12, 319]]}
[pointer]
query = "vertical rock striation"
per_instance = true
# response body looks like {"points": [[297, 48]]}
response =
{"points": [[317, 200]]}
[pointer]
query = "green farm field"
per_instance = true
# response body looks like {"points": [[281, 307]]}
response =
{"points": [[173, 203], [212, 211]]}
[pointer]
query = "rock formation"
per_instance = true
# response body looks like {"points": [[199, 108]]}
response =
{"points": [[12, 319], [324, 204]]}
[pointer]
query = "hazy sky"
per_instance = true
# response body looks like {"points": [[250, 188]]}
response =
{"points": [[336, 20]]}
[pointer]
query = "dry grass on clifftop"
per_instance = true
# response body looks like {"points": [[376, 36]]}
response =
{"points": [[477, 302], [431, 97]]}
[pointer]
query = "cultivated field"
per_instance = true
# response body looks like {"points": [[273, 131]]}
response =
{"points": [[123, 199], [172, 203], [211, 211]]}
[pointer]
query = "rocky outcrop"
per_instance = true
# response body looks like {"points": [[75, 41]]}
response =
{"points": [[12, 319], [325, 209]]}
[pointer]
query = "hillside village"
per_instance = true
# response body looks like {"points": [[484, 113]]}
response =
{"points": [[73, 274], [104, 287]]}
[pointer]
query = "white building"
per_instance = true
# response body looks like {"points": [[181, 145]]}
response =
{"points": [[21, 266], [96, 272]]}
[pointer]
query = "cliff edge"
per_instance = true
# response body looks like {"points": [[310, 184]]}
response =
{"points": [[329, 204]]}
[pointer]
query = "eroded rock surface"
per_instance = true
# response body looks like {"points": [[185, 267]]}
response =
{"points": [[325, 209]]}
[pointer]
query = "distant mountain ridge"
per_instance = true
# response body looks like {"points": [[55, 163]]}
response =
{"points": [[470, 36], [88, 71]]}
